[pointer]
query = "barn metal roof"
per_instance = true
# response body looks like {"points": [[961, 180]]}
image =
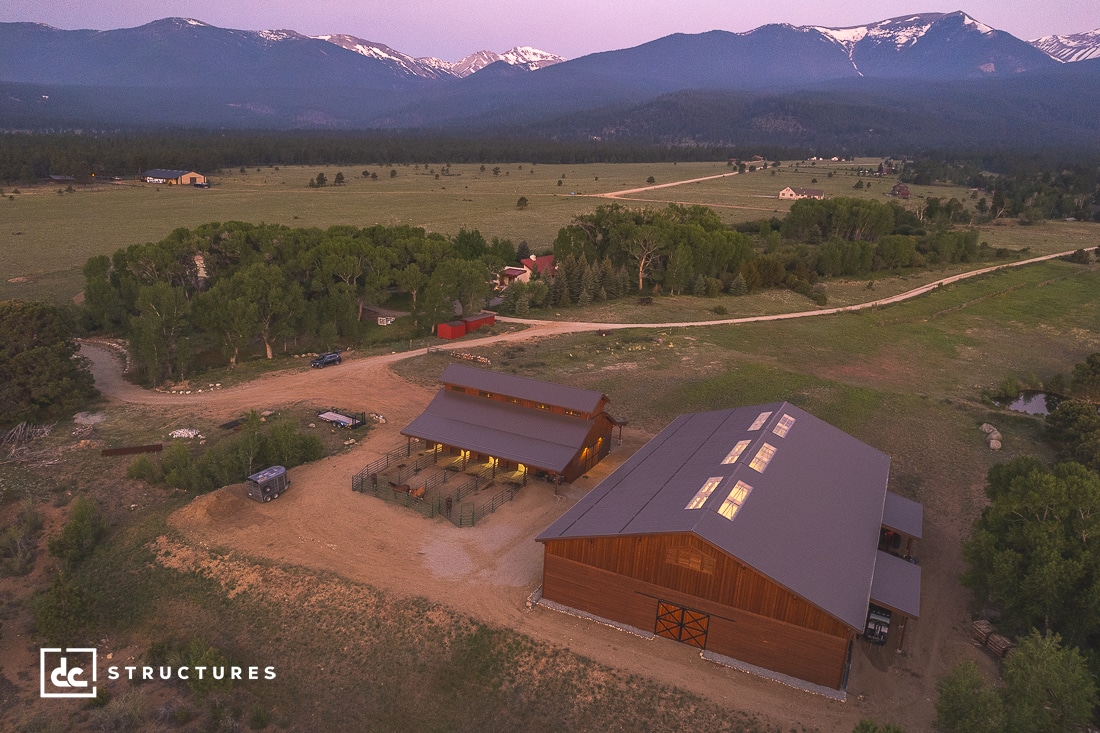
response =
{"points": [[903, 515], [532, 437], [164, 173], [523, 388], [810, 523], [896, 585]]}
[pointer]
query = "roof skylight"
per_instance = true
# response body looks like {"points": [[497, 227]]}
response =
{"points": [[735, 500], [783, 426], [736, 452], [704, 493], [760, 420], [763, 457]]}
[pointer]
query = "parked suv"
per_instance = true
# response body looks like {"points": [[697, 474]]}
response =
{"points": [[333, 357]]}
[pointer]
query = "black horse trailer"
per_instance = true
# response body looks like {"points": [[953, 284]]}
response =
{"points": [[268, 483]]}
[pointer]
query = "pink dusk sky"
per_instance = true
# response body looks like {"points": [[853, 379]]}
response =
{"points": [[451, 29]]}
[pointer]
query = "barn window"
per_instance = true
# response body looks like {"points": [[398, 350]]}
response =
{"points": [[704, 493], [736, 452], [760, 420], [690, 558], [483, 393], [735, 500], [783, 426], [763, 457]]}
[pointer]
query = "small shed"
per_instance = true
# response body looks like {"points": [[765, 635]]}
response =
{"points": [[451, 330], [481, 319]]}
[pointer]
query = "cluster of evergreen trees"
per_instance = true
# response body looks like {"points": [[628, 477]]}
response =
{"points": [[225, 286], [618, 251], [31, 158], [1028, 189]]}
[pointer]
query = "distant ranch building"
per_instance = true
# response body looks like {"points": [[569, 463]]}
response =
{"points": [[516, 423], [793, 194], [761, 535], [173, 177], [900, 191]]}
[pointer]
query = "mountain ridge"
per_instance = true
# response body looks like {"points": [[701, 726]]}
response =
{"points": [[183, 72]]}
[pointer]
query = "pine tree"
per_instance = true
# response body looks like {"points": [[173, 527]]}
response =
{"points": [[738, 286]]}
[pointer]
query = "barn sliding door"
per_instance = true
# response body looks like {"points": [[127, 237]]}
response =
{"points": [[682, 624]]}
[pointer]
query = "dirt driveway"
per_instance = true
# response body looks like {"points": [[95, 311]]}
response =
{"points": [[489, 570]]}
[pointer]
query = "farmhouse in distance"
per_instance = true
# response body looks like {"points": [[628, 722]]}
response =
{"points": [[794, 194], [173, 177]]}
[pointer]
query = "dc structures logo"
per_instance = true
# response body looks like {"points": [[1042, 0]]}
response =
{"points": [[67, 672]]}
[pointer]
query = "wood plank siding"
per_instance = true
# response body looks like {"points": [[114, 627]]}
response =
{"points": [[752, 618]]}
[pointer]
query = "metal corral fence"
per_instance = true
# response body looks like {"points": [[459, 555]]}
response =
{"points": [[447, 492]]}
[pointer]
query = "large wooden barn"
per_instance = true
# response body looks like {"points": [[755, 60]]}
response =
{"points": [[751, 533], [521, 423]]}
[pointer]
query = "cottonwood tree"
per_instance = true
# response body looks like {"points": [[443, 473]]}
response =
{"points": [[277, 300], [1033, 552], [158, 333], [230, 314], [1048, 689], [41, 377]]}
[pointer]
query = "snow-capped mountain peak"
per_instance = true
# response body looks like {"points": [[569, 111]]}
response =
{"points": [[530, 57], [901, 32], [430, 67], [1067, 49]]}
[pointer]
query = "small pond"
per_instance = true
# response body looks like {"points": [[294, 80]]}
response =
{"points": [[1034, 402]]}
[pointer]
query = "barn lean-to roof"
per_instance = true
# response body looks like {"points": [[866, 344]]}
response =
{"points": [[511, 431], [522, 388], [532, 437], [809, 520]]}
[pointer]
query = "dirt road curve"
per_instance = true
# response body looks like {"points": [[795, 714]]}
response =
{"points": [[311, 384], [488, 571]]}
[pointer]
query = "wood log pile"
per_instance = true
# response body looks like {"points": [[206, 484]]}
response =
{"points": [[983, 634]]}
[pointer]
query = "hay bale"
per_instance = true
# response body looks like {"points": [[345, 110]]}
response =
{"points": [[987, 428], [994, 445], [995, 435]]}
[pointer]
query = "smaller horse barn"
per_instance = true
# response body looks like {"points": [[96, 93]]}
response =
{"points": [[516, 422], [755, 533]]}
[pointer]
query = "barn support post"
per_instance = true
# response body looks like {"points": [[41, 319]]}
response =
{"points": [[408, 446]]}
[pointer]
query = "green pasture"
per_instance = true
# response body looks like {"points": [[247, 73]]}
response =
{"points": [[49, 234], [908, 379]]}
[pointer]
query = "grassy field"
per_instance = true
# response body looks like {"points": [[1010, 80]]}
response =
{"points": [[900, 377], [907, 379], [50, 234]]}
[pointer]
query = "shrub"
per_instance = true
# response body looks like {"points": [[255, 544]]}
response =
{"points": [[62, 612], [85, 528], [143, 469], [200, 654], [19, 540]]}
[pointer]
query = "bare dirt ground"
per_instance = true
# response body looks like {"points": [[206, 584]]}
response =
{"points": [[488, 571]]}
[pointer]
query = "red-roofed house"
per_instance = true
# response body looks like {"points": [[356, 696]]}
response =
{"points": [[542, 264]]}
